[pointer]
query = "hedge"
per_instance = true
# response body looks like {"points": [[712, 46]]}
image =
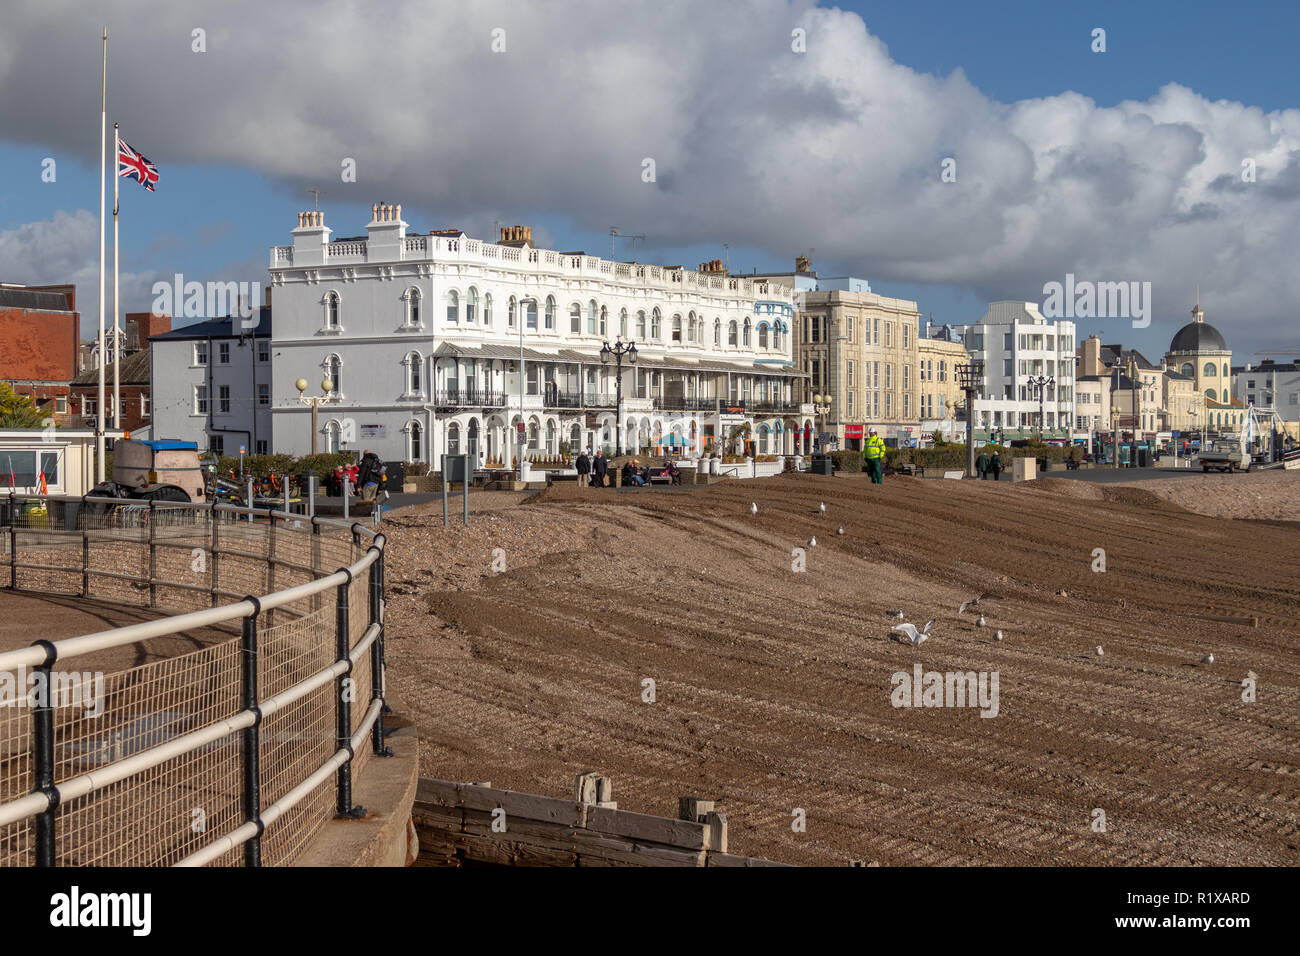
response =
{"points": [[954, 456], [847, 460], [262, 465]]}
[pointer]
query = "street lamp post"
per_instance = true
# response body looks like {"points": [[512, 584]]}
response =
{"points": [[1114, 427], [1039, 383], [821, 408], [616, 352], [970, 375], [1137, 409], [314, 401]]}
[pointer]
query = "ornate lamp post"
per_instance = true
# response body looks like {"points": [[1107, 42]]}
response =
{"points": [[970, 375], [1114, 426], [616, 353], [821, 408], [314, 401], [1039, 384]]}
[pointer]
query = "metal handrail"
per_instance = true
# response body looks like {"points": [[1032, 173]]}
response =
{"points": [[47, 794]]}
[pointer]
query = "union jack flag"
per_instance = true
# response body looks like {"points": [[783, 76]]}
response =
{"points": [[132, 165]]}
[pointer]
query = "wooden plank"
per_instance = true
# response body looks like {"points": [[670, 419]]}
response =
{"points": [[693, 808], [716, 834], [643, 826], [656, 855], [485, 850], [444, 793], [525, 806]]}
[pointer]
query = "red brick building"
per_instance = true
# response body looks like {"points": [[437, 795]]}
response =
{"points": [[133, 378], [39, 342]]}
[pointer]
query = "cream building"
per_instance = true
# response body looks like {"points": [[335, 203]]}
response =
{"points": [[940, 400], [1199, 353]]}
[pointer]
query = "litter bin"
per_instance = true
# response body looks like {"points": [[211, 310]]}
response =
{"points": [[822, 465], [1144, 458]]}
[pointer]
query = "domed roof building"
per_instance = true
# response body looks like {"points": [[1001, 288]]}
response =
{"points": [[1199, 352]]}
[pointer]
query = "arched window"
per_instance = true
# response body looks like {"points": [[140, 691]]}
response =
{"points": [[487, 309], [763, 431], [677, 328], [1225, 369], [512, 308], [471, 443], [731, 333], [413, 306], [604, 321], [622, 324], [453, 439], [717, 333], [415, 442], [550, 436], [745, 339], [575, 318], [414, 376], [333, 431], [1209, 370], [762, 335], [334, 372], [332, 310], [776, 336], [533, 435], [575, 439], [640, 325], [591, 317], [654, 325], [530, 314], [453, 306], [692, 329], [1210, 394], [471, 305], [550, 314], [1188, 370]]}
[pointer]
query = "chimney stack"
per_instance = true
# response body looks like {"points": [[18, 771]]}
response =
{"points": [[802, 264]]}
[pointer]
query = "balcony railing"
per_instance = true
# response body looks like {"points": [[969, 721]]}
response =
{"points": [[687, 403], [774, 405], [476, 397]]}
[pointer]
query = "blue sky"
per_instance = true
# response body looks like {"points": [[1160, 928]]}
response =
{"points": [[216, 219]]}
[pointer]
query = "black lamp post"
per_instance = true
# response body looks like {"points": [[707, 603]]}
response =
{"points": [[970, 376], [616, 352], [1039, 383]]}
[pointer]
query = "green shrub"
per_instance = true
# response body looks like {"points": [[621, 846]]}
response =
{"points": [[847, 460]]}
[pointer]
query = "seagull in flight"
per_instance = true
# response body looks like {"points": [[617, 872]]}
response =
{"points": [[975, 602], [913, 636]]}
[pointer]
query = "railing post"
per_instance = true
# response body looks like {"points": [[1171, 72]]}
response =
{"points": [[270, 564], [153, 554], [43, 755], [85, 563], [13, 539], [315, 559], [377, 648], [344, 691], [252, 736], [216, 553]]}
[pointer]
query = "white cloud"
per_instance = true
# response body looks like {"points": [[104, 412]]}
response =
{"points": [[838, 148]]}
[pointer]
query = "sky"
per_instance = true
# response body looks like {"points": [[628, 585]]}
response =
{"points": [[951, 153]]}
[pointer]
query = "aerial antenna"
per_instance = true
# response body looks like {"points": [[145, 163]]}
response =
{"points": [[315, 193], [726, 255], [615, 234]]}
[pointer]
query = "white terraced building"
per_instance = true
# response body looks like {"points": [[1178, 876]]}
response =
{"points": [[422, 337]]}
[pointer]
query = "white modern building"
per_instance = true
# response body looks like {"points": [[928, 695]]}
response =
{"points": [[211, 384], [1018, 346], [439, 343], [1271, 385]]}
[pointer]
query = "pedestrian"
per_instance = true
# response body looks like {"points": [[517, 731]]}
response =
{"points": [[874, 456], [583, 465], [995, 466], [631, 476], [982, 465], [599, 468]]}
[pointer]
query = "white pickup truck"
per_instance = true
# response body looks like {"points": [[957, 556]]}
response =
{"points": [[1225, 454]]}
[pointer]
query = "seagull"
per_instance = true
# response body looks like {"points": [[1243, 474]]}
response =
{"points": [[981, 622], [753, 507], [975, 602], [1207, 659], [812, 542], [822, 507], [997, 636], [841, 530], [915, 637], [1100, 652], [897, 614]]}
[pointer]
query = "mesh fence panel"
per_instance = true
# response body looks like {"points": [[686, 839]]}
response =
{"points": [[180, 559]]}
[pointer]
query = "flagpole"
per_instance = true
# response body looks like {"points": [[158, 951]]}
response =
{"points": [[103, 135], [117, 332]]}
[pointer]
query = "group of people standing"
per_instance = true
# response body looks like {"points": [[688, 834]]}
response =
{"points": [[985, 466], [592, 471]]}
